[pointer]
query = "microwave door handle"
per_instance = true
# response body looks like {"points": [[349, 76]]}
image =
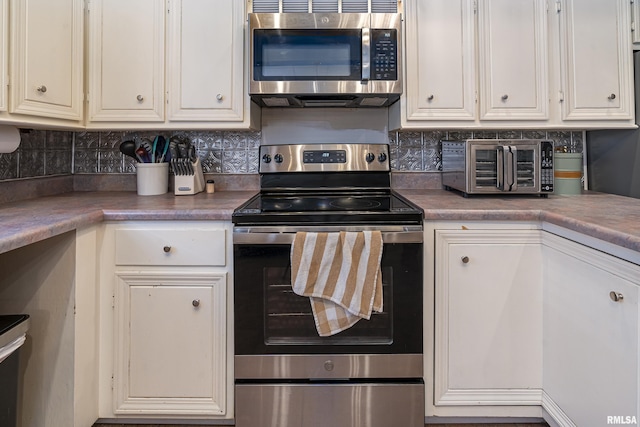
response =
{"points": [[500, 166], [366, 54], [513, 150]]}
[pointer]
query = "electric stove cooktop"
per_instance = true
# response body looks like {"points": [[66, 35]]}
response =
{"points": [[385, 207]]}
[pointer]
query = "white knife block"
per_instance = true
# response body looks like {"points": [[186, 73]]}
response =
{"points": [[189, 184]]}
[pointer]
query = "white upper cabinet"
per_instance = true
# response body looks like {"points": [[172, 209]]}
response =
{"points": [[513, 66], [47, 58], [205, 68], [4, 52], [440, 57], [474, 61], [126, 60], [175, 64], [596, 64]]}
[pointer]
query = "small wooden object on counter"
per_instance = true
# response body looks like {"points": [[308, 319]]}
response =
{"points": [[210, 187]]}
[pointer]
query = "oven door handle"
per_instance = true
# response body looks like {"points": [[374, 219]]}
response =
{"points": [[245, 236]]}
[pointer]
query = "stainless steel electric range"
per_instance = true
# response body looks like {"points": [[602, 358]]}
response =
{"points": [[287, 375]]}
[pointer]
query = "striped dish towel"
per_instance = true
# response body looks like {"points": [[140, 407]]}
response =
{"points": [[340, 273]]}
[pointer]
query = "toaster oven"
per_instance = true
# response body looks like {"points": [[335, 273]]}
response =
{"points": [[498, 166]]}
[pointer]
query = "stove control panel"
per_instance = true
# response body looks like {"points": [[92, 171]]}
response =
{"points": [[324, 157]]}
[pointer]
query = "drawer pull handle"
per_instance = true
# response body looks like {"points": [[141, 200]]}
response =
{"points": [[616, 296], [219, 97], [430, 98], [505, 97], [140, 98], [611, 97], [41, 89], [195, 303], [167, 249], [465, 259]]}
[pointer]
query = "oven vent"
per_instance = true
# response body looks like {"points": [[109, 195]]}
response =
{"points": [[325, 6]]}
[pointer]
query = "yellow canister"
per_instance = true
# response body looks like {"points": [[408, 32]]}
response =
{"points": [[567, 173]]}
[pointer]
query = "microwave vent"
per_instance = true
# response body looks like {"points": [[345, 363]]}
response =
{"points": [[325, 6]]}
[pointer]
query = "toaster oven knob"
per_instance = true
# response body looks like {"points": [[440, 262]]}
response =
{"points": [[370, 157], [382, 157], [266, 158], [278, 158]]}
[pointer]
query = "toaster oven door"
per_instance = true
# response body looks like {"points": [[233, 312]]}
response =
{"points": [[505, 168]]}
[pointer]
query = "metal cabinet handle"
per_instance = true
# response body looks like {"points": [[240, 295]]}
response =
{"points": [[140, 98], [505, 97], [195, 303], [167, 249], [611, 97], [430, 98], [465, 259], [41, 89], [219, 97], [616, 296]]}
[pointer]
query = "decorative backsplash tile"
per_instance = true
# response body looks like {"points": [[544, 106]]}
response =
{"points": [[44, 153]]}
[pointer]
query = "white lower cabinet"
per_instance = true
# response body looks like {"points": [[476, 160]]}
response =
{"points": [[591, 336], [487, 340], [168, 321]]}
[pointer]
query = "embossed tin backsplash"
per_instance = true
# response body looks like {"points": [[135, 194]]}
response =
{"points": [[48, 153]]}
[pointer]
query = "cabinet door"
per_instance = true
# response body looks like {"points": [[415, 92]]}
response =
{"points": [[170, 352], [126, 60], [205, 60], [591, 341], [513, 59], [440, 60], [596, 60], [47, 68], [488, 325], [4, 52]]}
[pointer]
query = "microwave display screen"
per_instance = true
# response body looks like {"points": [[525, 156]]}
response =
{"points": [[307, 55]]}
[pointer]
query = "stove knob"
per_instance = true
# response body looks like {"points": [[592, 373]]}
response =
{"points": [[278, 158], [382, 157], [370, 157], [266, 158]]}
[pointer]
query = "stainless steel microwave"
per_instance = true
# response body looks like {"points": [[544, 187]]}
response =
{"points": [[486, 166], [325, 59]]}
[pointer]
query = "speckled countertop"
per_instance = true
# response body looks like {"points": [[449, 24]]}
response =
{"points": [[613, 219]]}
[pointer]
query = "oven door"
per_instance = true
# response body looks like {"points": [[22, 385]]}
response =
{"points": [[505, 168], [270, 319]]}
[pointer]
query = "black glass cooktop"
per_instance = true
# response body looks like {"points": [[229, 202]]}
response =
{"points": [[327, 208]]}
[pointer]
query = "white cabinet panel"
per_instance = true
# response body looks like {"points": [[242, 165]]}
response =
{"points": [[47, 59], [591, 358], [205, 67], [4, 52], [126, 60], [595, 49], [488, 308], [513, 69], [440, 60], [170, 353]]}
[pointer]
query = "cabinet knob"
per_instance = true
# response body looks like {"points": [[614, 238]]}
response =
{"points": [[219, 97], [41, 89], [167, 249], [195, 303], [430, 97], [328, 365], [611, 97], [616, 296], [140, 98], [465, 259], [505, 97]]}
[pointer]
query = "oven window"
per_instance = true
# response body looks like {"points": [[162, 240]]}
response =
{"points": [[307, 55], [289, 318]]}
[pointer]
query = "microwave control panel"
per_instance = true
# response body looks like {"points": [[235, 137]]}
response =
{"points": [[384, 54]]}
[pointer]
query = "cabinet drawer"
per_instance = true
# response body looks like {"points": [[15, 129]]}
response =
{"points": [[162, 247]]}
